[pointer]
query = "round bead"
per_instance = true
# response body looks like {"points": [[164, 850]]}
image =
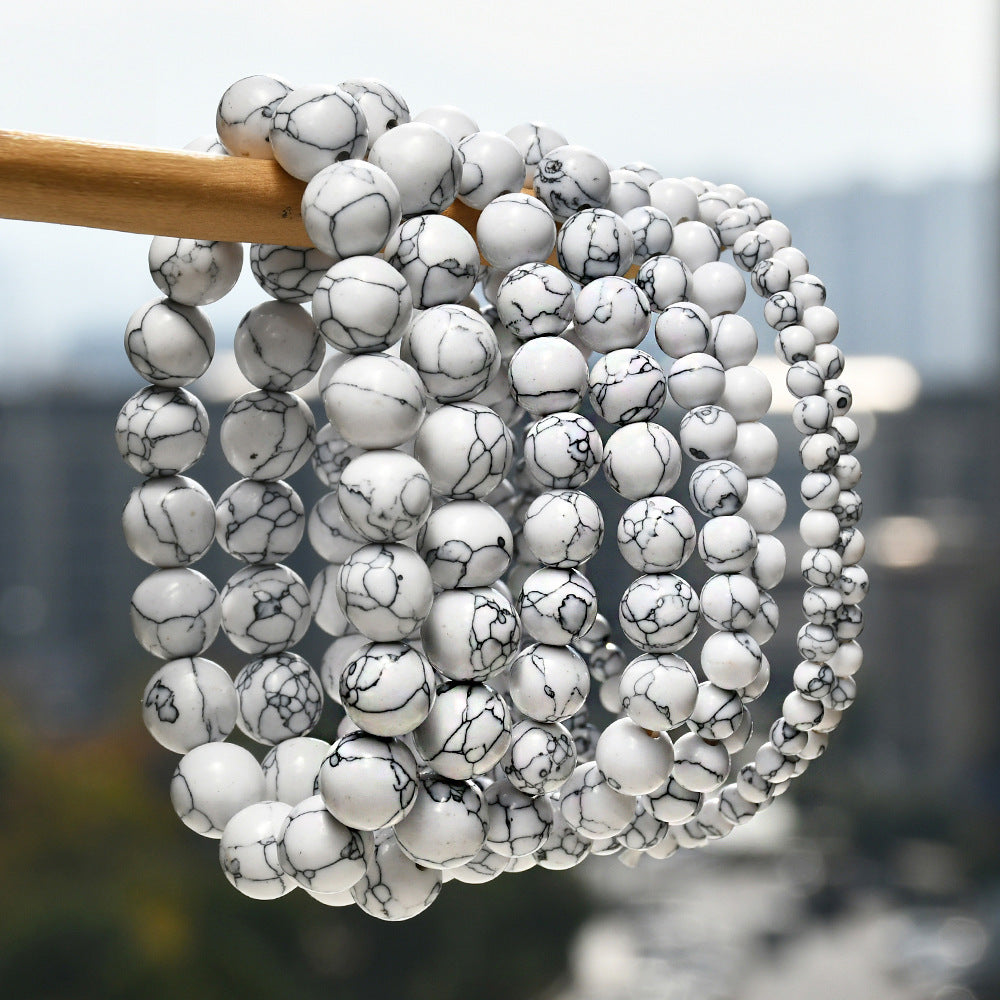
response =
{"points": [[453, 350], [267, 435], [548, 683], [189, 702], [627, 386], [652, 232], [169, 521], [280, 697], [394, 887], [386, 591], [562, 451], [683, 328], [519, 823], [491, 166], [592, 807], [452, 121], [259, 522], [447, 825], [318, 851], [731, 660], [315, 126], [289, 274], [466, 449], [718, 288], [730, 602], [631, 760], [611, 313], [541, 757], [733, 340], [563, 528], [175, 613], [699, 765], [161, 432], [291, 767], [385, 495], [437, 257], [770, 276], [423, 164], [465, 543], [535, 300], [673, 802], [277, 346], [169, 344], [756, 449], [362, 305], [563, 848], [594, 243], [194, 272], [665, 281], [628, 191], [368, 782], [471, 634], [384, 108], [695, 243], [727, 544], [570, 179], [350, 208], [675, 198], [747, 394], [331, 537], [659, 613], [212, 783], [782, 309], [658, 692], [718, 488], [642, 460], [557, 605], [387, 688], [751, 248], [656, 535], [265, 609], [708, 432], [245, 113], [533, 140], [547, 375], [248, 851], [822, 323], [467, 731], [515, 229]]}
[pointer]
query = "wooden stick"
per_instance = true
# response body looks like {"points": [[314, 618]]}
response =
{"points": [[160, 192]]}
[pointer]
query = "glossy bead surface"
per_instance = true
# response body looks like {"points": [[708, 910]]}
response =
{"points": [[280, 697], [169, 344], [169, 521], [248, 851], [423, 164]]}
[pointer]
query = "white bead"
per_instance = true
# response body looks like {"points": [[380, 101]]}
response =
{"points": [[819, 528], [733, 341], [675, 198], [570, 178], [611, 313], [454, 351], [777, 232], [627, 386], [695, 244], [466, 449], [533, 140], [265, 609], [768, 567], [248, 851], [652, 232], [592, 807], [794, 343], [794, 259], [169, 521], [594, 243], [563, 528], [563, 848], [719, 714], [289, 274], [384, 107], [535, 300], [548, 375], [698, 765], [770, 276], [169, 344], [189, 702], [423, 164], [465, 543], [467, 732], [319, 852], [747, 393], [361, 305], [727, 544], [718, 488], [822, 323], [387, 688], [697, 380], [314, 126], [471, 634], [436, 256], [658, 692], [541, 757], [659, 613], [730, 602], [175, 612], [631, 760], [519, 823], [331, 537], [563, 451], [324, 597], [368, 782], [665, 280], [291, 768], [557, 605], [641, 460], [656, 535], [245, 112], [385, 495], [194, 272], [683, 328], [782, 309], [730, 660], [491, 166], [350, 208], [708, 432], [672, 802], [267, 435], [394, 887], [447, 825], [277, 346], [751, 248], [718, 288], [628, 191], [548, 683], [515, 229], [765, 504], [756, 449], [280, 698]]}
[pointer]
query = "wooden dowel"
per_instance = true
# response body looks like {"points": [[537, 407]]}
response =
{"points": [[160, 192]]}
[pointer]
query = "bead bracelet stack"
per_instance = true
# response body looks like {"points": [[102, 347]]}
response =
{"points": [[465, 632]]}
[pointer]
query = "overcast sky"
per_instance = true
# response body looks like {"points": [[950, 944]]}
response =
{"points": [[785, 97]]}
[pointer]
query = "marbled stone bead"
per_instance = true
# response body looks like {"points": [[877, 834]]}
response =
{"points": [[563, 528], [594, 243], [383, 106], [557, 605], [267, 435], [562, 451], [718, 488], [592, 807], [175, 613], [535, 300], [212, 783], [659, 613], [318, 851], [642, 460], [394, 887], [194, 272], [533, 141], [280, 697], [627, 386], [265, 609], [611, 313], [632, 760], [547, 375], [518, 822], [169, 344], [423, 163], [491, 166], [169, 521], [515, 229], [437, 257], [161, 432], [665, 280], [571, 178], [259, 522], [658, 692], [656, 535], [699, 765], [189, 702], [727, 544], [289, 274], [652, 232], [277, 346], [385, 495], [446, 827], [548, 683], [291, 768], [245, 113], [563, 848], [541, 757]]}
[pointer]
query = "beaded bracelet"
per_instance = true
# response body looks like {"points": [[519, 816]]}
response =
{"points": [[465, 636]]}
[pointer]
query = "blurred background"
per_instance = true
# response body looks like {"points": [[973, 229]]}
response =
{"points": [[870, 129]]}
